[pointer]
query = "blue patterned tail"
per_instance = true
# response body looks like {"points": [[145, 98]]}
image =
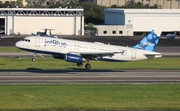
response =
{"points": [[149, 42]]}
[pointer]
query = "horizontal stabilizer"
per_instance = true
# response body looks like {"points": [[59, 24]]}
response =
{"points": [[153, 55]]}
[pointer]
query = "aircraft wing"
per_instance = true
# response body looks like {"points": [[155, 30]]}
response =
{"points": [[2, 37], [6, 36], [94, 54]]}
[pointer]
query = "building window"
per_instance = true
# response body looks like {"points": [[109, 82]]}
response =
{"points": [[113, 32], [120, 32], [105, 32]]}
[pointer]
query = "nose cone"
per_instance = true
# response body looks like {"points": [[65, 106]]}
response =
{"points": [[18, 44]]}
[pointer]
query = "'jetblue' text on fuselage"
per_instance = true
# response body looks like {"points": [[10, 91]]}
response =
{"points": [[55, 43]]}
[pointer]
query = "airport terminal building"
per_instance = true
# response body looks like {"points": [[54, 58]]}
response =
{"points": [[127, 22], [64, 21]]}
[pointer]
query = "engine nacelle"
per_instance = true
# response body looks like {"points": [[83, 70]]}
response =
{"points": [[58, 56], [73, 58]]}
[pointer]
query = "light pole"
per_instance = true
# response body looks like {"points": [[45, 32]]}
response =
{"points": [[170, 4]]}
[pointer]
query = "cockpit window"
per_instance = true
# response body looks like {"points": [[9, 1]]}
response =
{"points": [[26, 40]]}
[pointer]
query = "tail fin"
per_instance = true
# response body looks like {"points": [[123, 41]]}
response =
{"points": [[150, 41]]}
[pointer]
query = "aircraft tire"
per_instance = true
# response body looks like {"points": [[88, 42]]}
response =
{"points": [[79, 64], [33, 59], [88, 66]]}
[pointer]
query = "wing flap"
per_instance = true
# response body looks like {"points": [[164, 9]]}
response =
{"points": [[94, 54], [97, 54]]}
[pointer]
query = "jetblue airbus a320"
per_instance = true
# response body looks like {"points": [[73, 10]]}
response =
{"points": [[79, 51]]}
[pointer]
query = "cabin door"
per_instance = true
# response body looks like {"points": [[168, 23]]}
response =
{"points": [[37, 44]]}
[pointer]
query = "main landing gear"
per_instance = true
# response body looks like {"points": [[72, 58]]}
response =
{"points": [[79, 64], [87, 66]]}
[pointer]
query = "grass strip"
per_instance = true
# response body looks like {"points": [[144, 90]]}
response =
{"points": [[90, 97], [10, 49], [49, 63]]}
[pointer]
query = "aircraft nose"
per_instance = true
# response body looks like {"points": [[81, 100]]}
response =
{"points": [[18, 44]]}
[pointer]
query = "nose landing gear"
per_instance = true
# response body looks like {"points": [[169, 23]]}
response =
{"points": [[34, 58]]}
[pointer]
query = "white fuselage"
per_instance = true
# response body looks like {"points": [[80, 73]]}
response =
{"points": [[63, 46]]}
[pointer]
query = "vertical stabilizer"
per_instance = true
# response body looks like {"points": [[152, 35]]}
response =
{"points": [[175, 33], [150, 41]]}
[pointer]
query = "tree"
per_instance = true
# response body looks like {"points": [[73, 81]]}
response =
{"points": [[6, 4], [42, 2], [83, 0], [90, 26], [57, 5], [93, 13], [12, 4], [1, 5], [139, 5], [28, 3], [19, 3]]}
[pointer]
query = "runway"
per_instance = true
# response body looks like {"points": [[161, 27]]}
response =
{"points": [[90, 77]]}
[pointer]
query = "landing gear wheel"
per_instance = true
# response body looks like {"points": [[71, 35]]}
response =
{"points": [[88, 66], [33, 59], [79, 64]]}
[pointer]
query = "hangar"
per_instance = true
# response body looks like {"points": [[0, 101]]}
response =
{"points": [[30, 20], [127, 22]]}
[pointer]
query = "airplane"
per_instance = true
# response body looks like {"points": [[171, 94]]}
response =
{"points": [[45, 33], [171, 36], [80, 51], [2, 37], [2, 31]]}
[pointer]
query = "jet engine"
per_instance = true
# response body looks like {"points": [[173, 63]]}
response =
{"points": [[58, 56], [73, 58]]}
